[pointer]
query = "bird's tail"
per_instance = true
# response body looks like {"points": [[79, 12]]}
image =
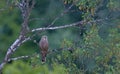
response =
{"points": [[43, 56], [43, 59]]}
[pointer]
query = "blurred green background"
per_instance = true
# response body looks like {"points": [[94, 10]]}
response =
{"points": [[94, 47]]}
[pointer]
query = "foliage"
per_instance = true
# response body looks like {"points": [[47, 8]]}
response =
{"points": [[20, 67], [96, 55]]}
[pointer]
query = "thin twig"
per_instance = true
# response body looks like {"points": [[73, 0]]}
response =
{"points": [[61, 15]]}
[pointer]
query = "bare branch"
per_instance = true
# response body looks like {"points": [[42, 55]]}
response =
{"points": [[58, 27], [65, 26], [17, 58], [12, 49]]}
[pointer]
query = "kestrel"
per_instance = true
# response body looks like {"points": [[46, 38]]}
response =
{"points": [[43, 43]]}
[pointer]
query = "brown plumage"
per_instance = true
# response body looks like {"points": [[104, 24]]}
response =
{"points": [[44, 47]]}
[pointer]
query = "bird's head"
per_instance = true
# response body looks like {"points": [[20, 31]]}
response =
{"points": [[44, 37]]}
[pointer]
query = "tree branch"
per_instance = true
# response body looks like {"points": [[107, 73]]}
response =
{"points": [[57, 27], [12, 49], [25, 8], [65, 26], [17, 58]]}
